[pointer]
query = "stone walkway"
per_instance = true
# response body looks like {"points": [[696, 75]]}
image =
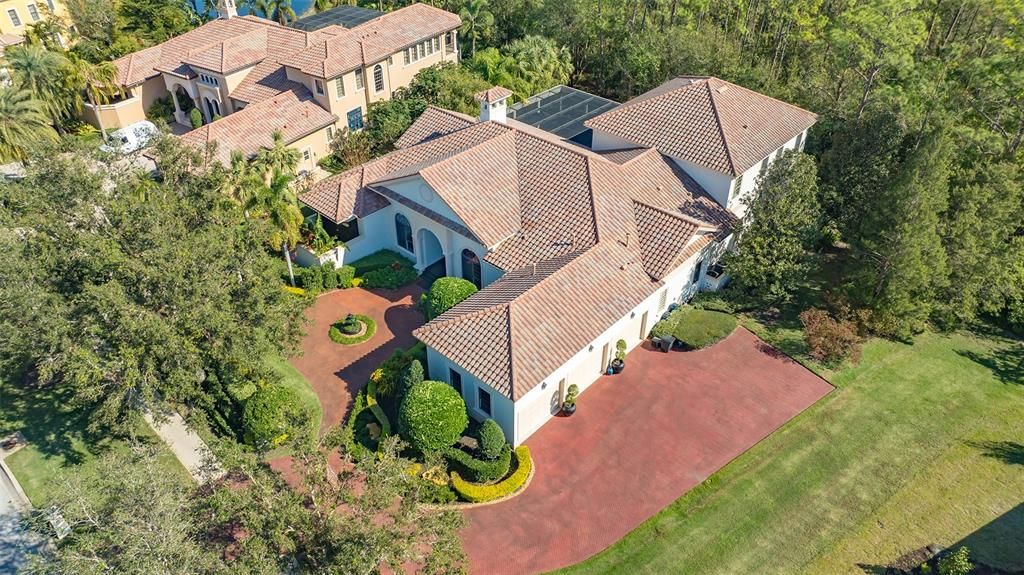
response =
{"points": [[638, 441], [187, 446]]}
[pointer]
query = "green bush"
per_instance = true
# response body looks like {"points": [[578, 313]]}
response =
{"points": [[377, 260], [432, 493], [411, 376], [956, 563], [394, 276], [491, 438], [345, 276], [713, 301], [698, 328], [338, 335], [479, 470], [195, 117], [432, 416], [445, 293], [312, 279], [378, 412], [330, 276], [476, 493], [273, 416]]}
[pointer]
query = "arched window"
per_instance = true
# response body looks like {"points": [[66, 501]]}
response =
{"points": [[471, 267], [378, 78], [403, 230]]}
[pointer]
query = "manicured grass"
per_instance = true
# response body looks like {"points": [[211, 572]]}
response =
{"points": [[699, 328], [910, 438], [378, 260], [58, 442], [291, 378], [338, 336]]}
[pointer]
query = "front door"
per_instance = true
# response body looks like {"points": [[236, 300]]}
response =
{"points": [[604, 359]]}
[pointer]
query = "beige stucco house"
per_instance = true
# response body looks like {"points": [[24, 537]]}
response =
{"points": [[18, 15], [574, 248], [249, 76]]}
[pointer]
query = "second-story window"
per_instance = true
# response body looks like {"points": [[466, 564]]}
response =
{"points": [[319, 86], [339, 86], [359, 79], [421, 50], [14, 17], [378, 78], [50, 4], [435, 42], [33, 12]]}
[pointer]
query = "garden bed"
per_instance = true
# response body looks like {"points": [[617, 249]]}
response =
{"points": [[353, 329]]}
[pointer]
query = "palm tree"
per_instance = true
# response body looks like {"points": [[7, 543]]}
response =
{"points": [[541, 62], [279, 10], [22, 123], [476, 21], [241, 182], [277, 158], [276, 202], [322, 5], [99, 82], [45, 74], [500, 70]]}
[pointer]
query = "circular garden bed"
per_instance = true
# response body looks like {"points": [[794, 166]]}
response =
{"points": [[352, 329]]}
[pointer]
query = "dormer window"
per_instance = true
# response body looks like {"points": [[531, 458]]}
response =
{"points": [[208, 79]]}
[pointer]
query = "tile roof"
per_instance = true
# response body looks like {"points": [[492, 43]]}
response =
{"points": [[565, 221], [433, 122], [340, 50], [492, 95], [229, 55], [707, 121], [294, 112]]}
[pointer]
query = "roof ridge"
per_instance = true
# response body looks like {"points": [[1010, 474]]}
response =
{"points": [[756, 93], [439, 321], [718, 124], [681, 216]]}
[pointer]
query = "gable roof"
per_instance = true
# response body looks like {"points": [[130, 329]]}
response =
{"points": [[432, 123], [339, 50], [707, 121], [294, 112]]}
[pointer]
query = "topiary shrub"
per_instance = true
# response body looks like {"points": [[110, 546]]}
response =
{"points": [[411, 376], [479, 470], [392, 277], [491, 439], [345, 276], [330, 276], [195, 117], [432, 416], [344, 331], [476, 493], [445, 293], [273, 416]]}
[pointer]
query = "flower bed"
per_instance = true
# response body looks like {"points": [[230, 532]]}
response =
{"points": [[338, 331], [480, 493]]}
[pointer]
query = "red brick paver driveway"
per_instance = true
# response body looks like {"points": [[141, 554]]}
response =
{"points": [[638, 441], [336, 371]]}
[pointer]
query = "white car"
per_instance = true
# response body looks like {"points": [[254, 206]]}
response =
{"points": [[130, 138]]}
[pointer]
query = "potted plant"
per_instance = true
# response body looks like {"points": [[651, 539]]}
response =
{"points": [[619, 363], [569, 404]]}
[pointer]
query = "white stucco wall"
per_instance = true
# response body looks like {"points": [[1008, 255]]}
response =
{"points": [[502, 410]]}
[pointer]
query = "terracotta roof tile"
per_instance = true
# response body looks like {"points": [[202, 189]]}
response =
{"points": [[492, 95], [433, 122], [707, 121], [294, 112]]}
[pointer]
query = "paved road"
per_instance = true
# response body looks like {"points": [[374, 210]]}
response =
{"points": [[15, 543]]}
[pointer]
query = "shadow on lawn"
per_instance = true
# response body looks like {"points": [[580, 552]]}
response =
{"points": [[1008, 452], [1006, 363]]}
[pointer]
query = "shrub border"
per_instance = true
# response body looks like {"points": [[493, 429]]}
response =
{"points": [[378, 412], [513, 485], [337, 337]]}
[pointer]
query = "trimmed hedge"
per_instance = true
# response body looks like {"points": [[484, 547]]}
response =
{"points": [[432, 416], [491, 438], [325, 277], [479, 470], [445, 293], [477, 493], [377, 260], [393, 277], [337, 336], [273, 415]]}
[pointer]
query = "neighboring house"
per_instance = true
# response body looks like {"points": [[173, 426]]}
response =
{"points": [[575, 248], [236, 69], [18, 15]]}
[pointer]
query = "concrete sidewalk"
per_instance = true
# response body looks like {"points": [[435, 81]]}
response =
{"points": [[187, 446], [16, 543]]}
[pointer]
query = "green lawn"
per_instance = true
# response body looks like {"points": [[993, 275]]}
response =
{"points": [[58, 443], [919, 444], [291, 378]]}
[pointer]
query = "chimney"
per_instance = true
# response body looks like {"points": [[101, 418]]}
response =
{"points": [[492, 103], [226, 9]]}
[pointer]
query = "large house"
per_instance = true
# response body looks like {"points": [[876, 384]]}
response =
{"points": [[18, 15], [249, 76], [574, 247]]}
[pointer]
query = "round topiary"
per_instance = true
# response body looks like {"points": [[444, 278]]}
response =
{"points": [[492, 439], [445, 293], [272, 416], [432, 416], [346, 331]]}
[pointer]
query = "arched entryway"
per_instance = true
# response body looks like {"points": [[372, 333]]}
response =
{"points": [[212, 108], [430, 253]]}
